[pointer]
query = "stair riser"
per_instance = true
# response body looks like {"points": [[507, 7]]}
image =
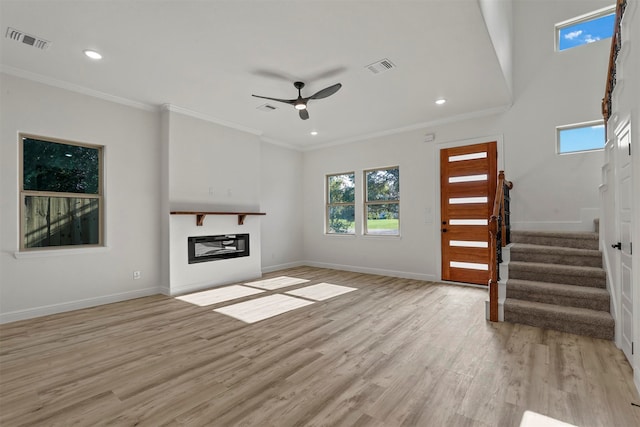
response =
{"points": [[590, 303], [555, 241], [596, 331], [593, 282], [579, 261]]}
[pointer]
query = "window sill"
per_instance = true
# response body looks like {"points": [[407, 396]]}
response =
{"points": [[46, 253]]}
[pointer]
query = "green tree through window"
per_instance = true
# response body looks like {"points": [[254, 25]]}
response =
{"points": [[61, 191], [341, 203], [382, 201]]}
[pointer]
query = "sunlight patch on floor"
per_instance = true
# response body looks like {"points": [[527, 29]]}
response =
{"points": [[533, 419], [218, 295], [262, 308]]}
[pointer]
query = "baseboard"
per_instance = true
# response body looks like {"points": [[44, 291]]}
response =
{"points": [[376, 271], [30, 313], [284, 266]]}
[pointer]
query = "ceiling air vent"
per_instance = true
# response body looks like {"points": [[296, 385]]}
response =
{"points": [[380, 66], [266, 107], [27, 39]]}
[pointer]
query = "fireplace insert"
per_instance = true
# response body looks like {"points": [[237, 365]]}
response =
{"points": [[212, 248]]}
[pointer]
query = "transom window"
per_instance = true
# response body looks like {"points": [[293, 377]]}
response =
{"points": [[341, 205], [585, 29], [382, 201], [61, 193], [580, 137]]}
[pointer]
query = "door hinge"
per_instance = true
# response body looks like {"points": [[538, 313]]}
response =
{"points": [[629, 147], [630, 248], [631, 347]]}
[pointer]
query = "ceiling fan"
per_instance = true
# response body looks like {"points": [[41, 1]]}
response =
{"points": [[300, 103]]}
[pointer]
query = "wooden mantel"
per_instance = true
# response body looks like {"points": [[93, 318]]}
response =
{"points": [[201, 215]]}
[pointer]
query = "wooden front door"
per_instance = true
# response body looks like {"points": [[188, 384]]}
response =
{"points": [[468, 177]]}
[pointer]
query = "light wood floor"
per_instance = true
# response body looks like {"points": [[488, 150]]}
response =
{"points": [[396, 352]]}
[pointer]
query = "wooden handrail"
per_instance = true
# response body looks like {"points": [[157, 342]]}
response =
{"points": [[497, 213], [616, 44]]}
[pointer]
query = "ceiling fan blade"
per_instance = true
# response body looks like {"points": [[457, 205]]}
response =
{"points": [[286, 101], [304, 114], [327, 91]]}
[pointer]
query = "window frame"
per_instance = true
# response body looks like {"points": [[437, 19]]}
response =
{"points": [[599, 122], [22, 193], [590, 16], [366, 203], [329, 205]]}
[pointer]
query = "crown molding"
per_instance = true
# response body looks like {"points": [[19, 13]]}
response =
{"points": [[28, 75], [422, 125], [206, 118]]}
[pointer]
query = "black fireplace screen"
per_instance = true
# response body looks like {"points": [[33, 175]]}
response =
{"points": [[211, 248]]}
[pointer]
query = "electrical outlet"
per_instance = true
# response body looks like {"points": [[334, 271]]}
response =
{"points": [[137, 275]]}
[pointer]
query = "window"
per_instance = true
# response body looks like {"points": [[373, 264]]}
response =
{"points": [[382, 201], [60, 192], [341, 203], [585, 29], [580, 137]]}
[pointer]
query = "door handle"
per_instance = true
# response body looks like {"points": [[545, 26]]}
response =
{"points": [[617, 246]]}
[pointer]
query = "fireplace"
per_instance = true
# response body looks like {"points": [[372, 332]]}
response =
{"points": [[212, 248]]}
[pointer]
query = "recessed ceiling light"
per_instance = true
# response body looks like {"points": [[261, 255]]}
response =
{"points": [[92, 54], [441, 101], [314, 132]]}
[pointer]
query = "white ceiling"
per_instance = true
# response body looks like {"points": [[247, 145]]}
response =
{"points": [[208, 57]]}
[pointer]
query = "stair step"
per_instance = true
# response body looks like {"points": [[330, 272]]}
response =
{"points": [[580, 321], [556, 255], [557, 273], [552, 238], [559, 294]]}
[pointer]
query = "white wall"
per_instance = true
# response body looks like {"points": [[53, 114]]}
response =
{"points": [[550, 191], [551, 89], [47, 284], [212, 166], [498, 17], [410, 255], [281, 198]]}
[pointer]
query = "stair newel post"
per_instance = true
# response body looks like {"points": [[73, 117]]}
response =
{"points": [[493, 268], [496, 235]]}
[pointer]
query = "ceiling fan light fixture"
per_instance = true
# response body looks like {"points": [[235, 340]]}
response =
{"points": [[92, 54], [300, 103]]}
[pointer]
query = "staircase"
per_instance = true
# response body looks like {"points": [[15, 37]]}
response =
{"points": [[556, 281]]}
